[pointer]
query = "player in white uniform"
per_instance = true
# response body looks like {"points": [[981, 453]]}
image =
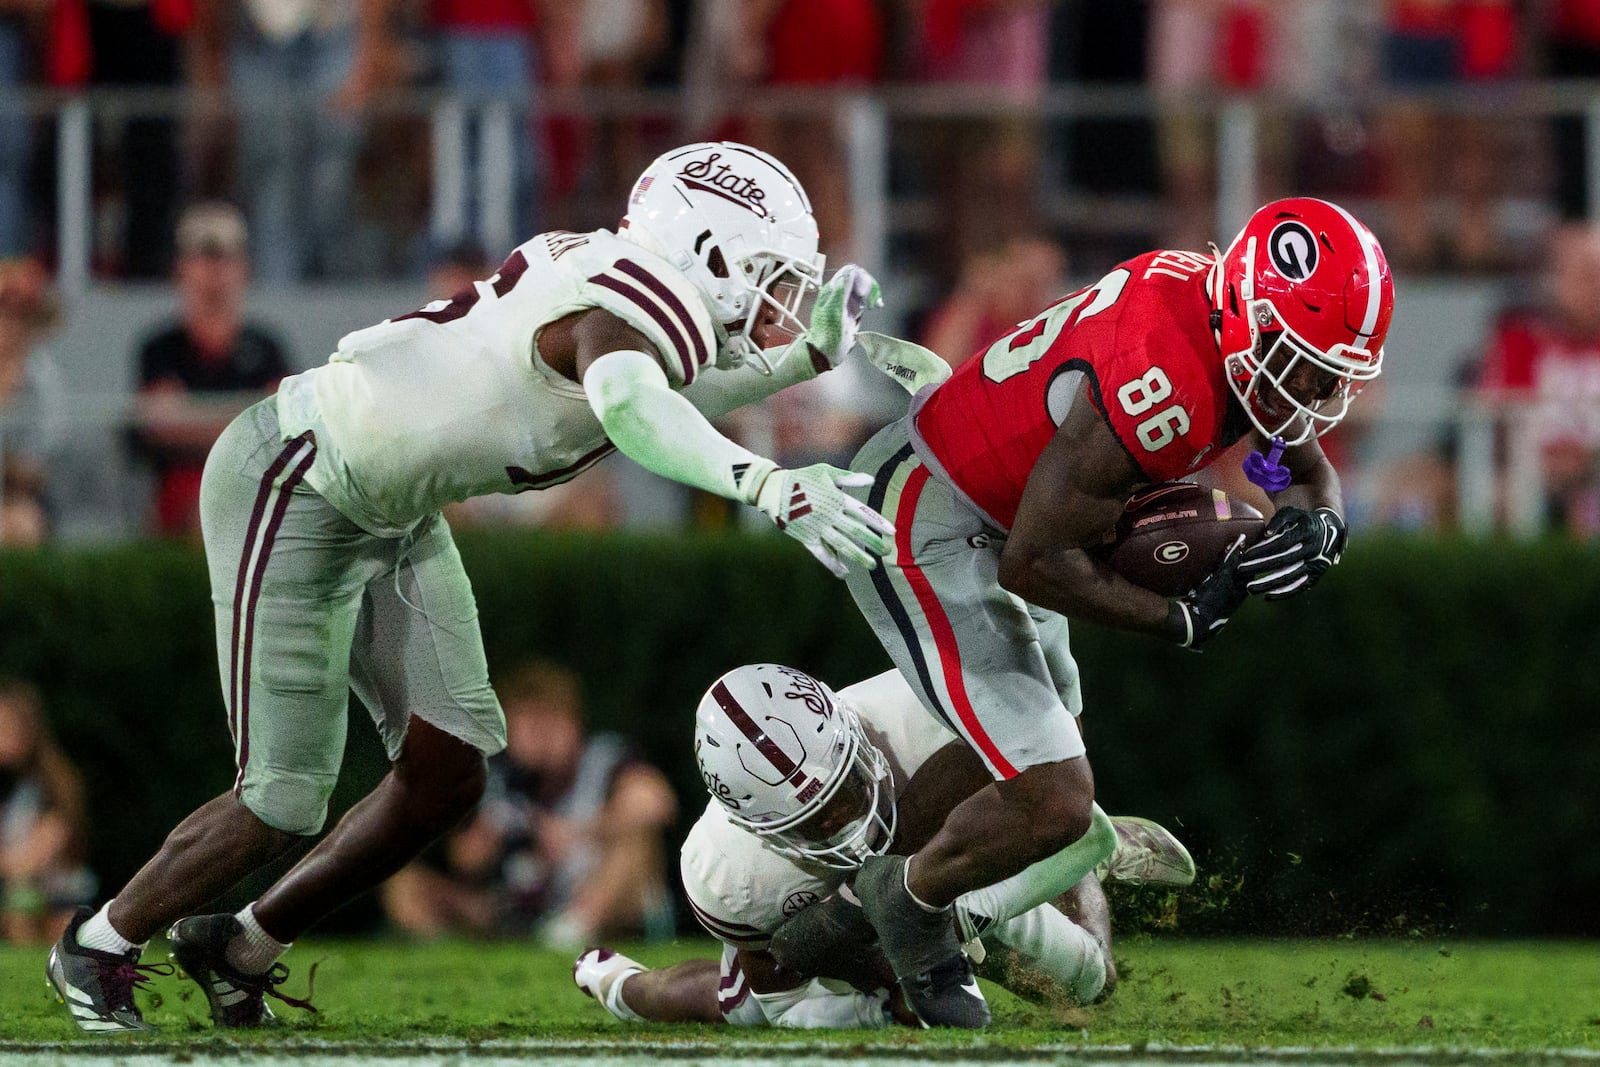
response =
{"points": [[805, 783], [332, 568]]}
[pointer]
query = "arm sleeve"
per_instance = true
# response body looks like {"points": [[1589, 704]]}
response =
{"points": [[814, 1006], [662, 432], [716, 391]]}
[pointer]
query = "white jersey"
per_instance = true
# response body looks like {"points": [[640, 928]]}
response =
{"points": [[453, 401], [740, 888]]}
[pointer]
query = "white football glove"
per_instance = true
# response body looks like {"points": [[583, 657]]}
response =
{"points": [[810, 505], [907, 362], [836, 315]]}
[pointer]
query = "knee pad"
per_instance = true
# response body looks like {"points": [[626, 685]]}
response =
{"points": [[293, 803]]}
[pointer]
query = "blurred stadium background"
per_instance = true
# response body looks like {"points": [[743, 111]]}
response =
{"points": [[1403, 752]]}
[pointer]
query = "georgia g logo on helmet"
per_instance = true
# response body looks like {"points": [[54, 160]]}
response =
{"points": [[1293, 250]]}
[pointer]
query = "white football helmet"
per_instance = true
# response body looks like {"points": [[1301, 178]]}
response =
{"points": [[736, 222], [787, 759]]}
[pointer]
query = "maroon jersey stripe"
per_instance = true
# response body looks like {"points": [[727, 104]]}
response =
{"points": [[527, 480], [747, 726], [670, 328], [669, 298], [726, 930]]}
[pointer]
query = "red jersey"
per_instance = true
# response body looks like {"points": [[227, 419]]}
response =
{"points": [[1142, 335], [1534, 359]]}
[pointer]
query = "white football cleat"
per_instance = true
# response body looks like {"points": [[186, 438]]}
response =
{"points": [[600, 973], [1147, 853]]}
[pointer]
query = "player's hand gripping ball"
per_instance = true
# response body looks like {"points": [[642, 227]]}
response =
{"points": [[1171, 536], [1298, 548]]}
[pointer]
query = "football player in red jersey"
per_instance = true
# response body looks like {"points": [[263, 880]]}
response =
{"points": [[999, 482]]}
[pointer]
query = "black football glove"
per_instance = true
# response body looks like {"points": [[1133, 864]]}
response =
{"points": [[1298, 548], [1213, 602]]}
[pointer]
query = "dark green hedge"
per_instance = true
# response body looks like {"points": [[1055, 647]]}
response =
{"points": [[1411, 746]]}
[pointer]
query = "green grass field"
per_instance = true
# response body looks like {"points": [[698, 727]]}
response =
{"points": [[1439, 1000]]}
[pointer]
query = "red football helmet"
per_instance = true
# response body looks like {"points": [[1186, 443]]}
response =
{"points": [[1304, 297]]}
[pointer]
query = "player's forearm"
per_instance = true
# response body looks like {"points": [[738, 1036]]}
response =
{"points": [[1077, 585], [716, 392], [663, 432], [1316, 483]]}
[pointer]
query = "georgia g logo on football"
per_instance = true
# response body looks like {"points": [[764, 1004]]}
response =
{"points": [[1293, 250]]}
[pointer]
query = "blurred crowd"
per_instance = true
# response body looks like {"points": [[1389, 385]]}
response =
{"points": [[329, 142], [368, 137]]}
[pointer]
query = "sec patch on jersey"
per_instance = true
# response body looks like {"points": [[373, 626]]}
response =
{"points": [[1172, 535]]}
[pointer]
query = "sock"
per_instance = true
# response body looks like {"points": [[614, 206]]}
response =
{"points": [[918, 901], [614, 1002], [98, 933], [1048, 878], [253, 950], [1060, 948]]}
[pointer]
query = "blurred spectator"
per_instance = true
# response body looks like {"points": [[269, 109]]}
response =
{"points": [[1548, 358], [42, 824], [1433, 44], [619, 43], [32, 411], [1571, 44], [133, 44], [489, 56], [459, 266], [1199, 48], [985, 170], [210, 349], [567, 841], [302, 72], [809, 44], [20, 22], [997, 290]]}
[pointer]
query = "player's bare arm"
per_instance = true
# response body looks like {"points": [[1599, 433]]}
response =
{"points": [[1316, 483], [1073, 498], [1307, 533]]}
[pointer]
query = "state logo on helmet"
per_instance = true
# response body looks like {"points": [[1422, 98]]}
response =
{"points": [[1302, 300], [787, 759], [735, 221]]}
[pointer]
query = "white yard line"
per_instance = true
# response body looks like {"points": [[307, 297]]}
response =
{"points": [[803, 1053]]}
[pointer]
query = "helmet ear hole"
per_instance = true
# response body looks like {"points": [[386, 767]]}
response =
{"points": [[717, 265]]}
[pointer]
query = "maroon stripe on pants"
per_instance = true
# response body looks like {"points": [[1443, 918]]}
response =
{"points": [[238, 586], [271, 535]]}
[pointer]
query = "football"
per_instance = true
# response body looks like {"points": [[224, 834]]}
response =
{"points": [[1172, 535]]}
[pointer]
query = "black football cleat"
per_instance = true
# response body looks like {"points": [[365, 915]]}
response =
{"points": [[237, 1000], [921, 947], [947, 995], [97, 987]]}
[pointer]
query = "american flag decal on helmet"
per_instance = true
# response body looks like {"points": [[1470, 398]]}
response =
{"points": [[640, 189]]}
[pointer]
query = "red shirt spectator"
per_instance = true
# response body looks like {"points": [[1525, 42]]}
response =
{"points": [[1549, 358]]}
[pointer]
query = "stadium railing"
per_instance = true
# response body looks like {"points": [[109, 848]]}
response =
{"points": [[872, 128]]}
